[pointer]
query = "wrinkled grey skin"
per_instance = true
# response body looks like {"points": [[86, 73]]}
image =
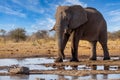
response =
{"points": [[82, 24]]}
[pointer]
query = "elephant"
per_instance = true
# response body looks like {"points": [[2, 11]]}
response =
{"points": [[81, 24]]}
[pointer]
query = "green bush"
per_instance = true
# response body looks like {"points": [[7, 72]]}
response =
{"points": [[18, 34]]}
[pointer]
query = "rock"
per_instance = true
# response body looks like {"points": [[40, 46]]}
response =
{"points": [[39, 79], [19, 70]]}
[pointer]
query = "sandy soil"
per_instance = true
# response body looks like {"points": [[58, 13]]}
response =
{"points": [[48, 48]]}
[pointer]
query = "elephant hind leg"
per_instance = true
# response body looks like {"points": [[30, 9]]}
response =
{"points": [[93, 50], [105, 50], [103, 42]]}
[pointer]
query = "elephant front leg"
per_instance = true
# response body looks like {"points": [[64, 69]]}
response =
{"points": [[93, 50], [74, 47], [61, 55]]}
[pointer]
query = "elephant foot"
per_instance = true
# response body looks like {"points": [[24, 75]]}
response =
{"points": [[74, 60], [63, 56], [93, 58], [58, 60], [106, 58]]}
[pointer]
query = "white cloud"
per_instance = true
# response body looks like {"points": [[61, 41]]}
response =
{"points": [[75, 2], [32, 5], [115, 12], [10, 11], [53, 6], [8, 27], [46, 24], [114, 20], [115, 15], [113, 4], [34, 2]]}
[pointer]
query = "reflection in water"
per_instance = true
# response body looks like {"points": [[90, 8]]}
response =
{"points": [[61, 68], [20, 59], [20, 77], [74, 67], [98, 76], [94, 76], [95, 67], [30, 62], [61, 77], [74, 78], [85, 67], [104, 76], [106, 67]]}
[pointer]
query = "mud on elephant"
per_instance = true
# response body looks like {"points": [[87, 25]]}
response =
{"points": [[82, 24]]}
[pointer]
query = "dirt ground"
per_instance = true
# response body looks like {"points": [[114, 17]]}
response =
{"points": [[43, 48], [46, 48]]}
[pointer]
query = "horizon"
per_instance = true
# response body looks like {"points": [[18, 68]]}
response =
{"points": [[34, 15]]}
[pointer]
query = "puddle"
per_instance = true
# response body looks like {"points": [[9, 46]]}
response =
{"points": [[28, 62], [24, 61], [36, 63], [60, 77], [112, 58], [84, 67]]}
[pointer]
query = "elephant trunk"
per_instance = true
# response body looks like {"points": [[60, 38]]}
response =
{"points": [[59, 36]]}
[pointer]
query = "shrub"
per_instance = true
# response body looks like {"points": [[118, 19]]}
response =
{"points": [[17, 34]]}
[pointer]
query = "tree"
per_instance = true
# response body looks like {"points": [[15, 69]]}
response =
{"points": [[111, 36], [2, 31], [117, 33], [18, 34], [114, 35], [40, 34]]}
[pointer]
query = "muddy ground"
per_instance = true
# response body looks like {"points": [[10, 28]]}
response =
{"points": [[109, 67], [90, 68], [49, 49]]}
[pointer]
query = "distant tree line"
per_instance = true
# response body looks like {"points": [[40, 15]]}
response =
{"points": [[19, 34], [114, 35], [40, 34]]}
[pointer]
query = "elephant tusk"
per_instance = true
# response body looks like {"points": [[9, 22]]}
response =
{"points": [[51, 30], [66, 29]]}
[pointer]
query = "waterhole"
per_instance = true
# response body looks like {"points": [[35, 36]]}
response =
{"points": [[38, 64]]}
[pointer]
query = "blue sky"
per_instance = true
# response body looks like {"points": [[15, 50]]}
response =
{"points": [[36, 15]]}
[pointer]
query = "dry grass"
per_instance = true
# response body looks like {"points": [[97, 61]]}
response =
{"points": [[49, 48]]}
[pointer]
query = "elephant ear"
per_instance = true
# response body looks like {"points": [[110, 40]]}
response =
{"points": [[78, 16]]}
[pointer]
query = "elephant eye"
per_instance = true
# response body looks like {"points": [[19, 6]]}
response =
{"points": [[66, 18]]}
